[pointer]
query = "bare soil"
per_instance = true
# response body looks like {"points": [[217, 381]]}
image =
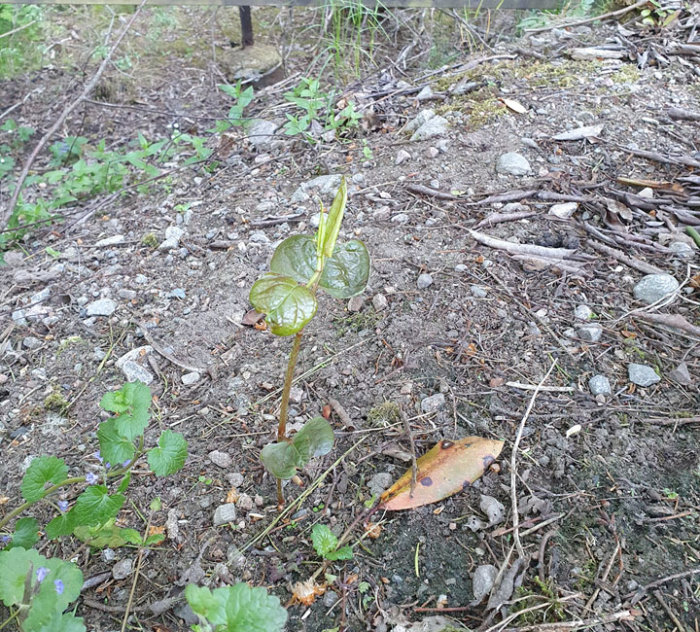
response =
{"points": [[607, 486]]}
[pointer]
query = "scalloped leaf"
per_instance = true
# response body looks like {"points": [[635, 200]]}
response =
{"points": [[170, 455], [63, 524], [132, 402], [238, 608], [26, 533], [114, 446], [42, 470], [96, 506], [288, 306]]}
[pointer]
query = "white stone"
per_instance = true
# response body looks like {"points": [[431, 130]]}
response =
{"points": [[654, 287], [401, 156], [599, 385], [221, 459], [433, 403], [101, 307], [583, 312], [513, 163], [424, 281], [114, 240], [134, 372], [190, 378], [224, 514], [564, 210], [642, 375], [379, 302]]}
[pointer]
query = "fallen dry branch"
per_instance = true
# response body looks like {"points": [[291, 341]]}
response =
{"points": [[420, 189], [673, 321], [662, 158], [508, 196], [632, 262], [575, 624], [87, 89], [501, 218]]}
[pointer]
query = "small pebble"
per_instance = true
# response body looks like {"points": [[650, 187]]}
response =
{"points": [[599, 385], [355, 304], [433, 403], [190, 378], [122, 569], [379, 482], [583, 312], [642, 375], [590, 332], [224, 514], [101, 307], [379, 302], [222, 459], [477, 291], [424, 281]]}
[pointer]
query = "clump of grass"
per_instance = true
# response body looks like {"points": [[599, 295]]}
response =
{"points": [[385, 414]]}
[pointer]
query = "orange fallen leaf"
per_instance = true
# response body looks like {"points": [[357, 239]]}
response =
{"points": [[305, 593], [445, 469]]}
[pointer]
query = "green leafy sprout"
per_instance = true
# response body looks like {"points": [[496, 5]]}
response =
{"points": [[300, 266], [326, 544]]}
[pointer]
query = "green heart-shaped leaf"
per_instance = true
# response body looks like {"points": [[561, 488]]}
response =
{"points": [[314, 439], [295, 257], [281, 459], [287, 305], [346, 273]]}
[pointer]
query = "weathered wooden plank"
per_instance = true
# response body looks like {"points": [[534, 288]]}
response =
{"points": [[441, 4]]}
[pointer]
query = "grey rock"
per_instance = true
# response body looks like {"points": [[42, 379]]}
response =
{"points": [[583, 312], [184, 611], [31, 342], [190, 378], [177, 293], [654, 287], [599, 385], [329, 598], [173, 234], [421, 119], [433, 403], [101, 307], [355, 304], [110, 241], [134, 355], [642, 375], [432, 152], [401, 156], [127, 295], [493, 508], [324, 186], [482, 581], [41, 296], [296, 394], [222, 459], [379, 482], [245, 502], [400, 218], [564, 210], [590, 332], [235, 479], [261, 133], [259, 237], [513, 163], [134, 372], [436, 126], [122, 569], [680, 248], [224, 514], [379, 302], [108, 555], [425, 94], [424, 281], [681, 374], [460, 267], [478, 291]]}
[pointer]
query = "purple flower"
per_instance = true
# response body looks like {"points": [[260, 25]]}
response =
{"points": [[62, 506], [98, 456], [41, 573], [126, 463], [59, 586], [91, 478], [5, 538]]}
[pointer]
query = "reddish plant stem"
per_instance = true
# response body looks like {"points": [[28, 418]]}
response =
{"points": [[284, 406]]}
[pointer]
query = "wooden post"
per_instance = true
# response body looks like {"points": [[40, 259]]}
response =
{"points": [[246, 26]]}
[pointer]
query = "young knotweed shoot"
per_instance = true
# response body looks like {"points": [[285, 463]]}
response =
{"points": [[300, 266]]}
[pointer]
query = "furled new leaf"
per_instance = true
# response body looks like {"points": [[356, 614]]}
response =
{"points": [[346, 273], [238, 608], [335, 219], [445, 469], [42, 471], [288, 305]]}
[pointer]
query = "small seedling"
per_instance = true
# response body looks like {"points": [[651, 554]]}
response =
{"points": [[300, 266], [326, 544]]}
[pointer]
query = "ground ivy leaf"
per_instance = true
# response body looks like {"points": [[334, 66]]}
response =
{"points": [[170, 454], [281, 459], [238, 608], [323, 539], [132, 402], [96, 506], [63, 524], [287, 305], [42, 470], [343, 553], [67, 622], [26, 533], [107, 535], [14, 566], [314, 439], [48, 602], [114, 447]]}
